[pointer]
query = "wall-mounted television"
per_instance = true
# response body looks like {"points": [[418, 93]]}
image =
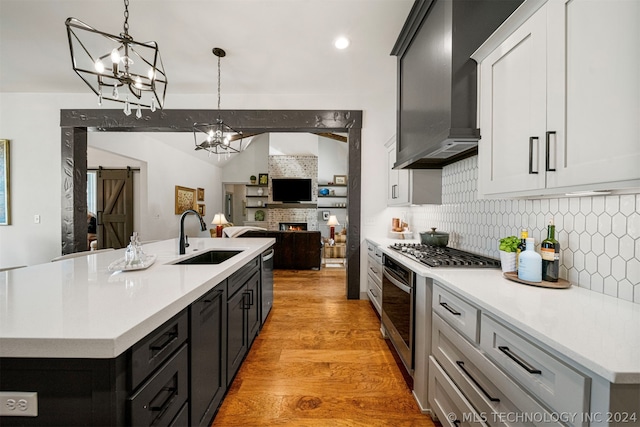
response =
{"points": [[291, 190]]}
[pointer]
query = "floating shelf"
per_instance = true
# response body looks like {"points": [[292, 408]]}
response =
{"points": [[292, 205]]}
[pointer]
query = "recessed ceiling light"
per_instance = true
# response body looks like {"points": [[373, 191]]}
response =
{"points": [[341, 43]]}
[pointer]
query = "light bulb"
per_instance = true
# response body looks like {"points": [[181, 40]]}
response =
{"points": [[115, 56], [99, 66]]}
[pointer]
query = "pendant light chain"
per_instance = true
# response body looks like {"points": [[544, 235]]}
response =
{"points": [[218, 86], [126, 17]]}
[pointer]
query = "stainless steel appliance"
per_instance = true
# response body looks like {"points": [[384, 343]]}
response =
{"points": [[267, 282], [398, 288], [443, 256]]}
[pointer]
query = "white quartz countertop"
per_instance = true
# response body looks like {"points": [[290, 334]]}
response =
{"points": [[598, 331], [78, 308]]}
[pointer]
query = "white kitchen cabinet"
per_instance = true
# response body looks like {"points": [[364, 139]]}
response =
{"points": [[559, 102], [407, 187]]}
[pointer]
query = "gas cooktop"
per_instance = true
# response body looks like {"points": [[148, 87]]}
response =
{"points": [[439, 256]]}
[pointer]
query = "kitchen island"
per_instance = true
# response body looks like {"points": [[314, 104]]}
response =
{"points": [[592, 338], [92, 342]]}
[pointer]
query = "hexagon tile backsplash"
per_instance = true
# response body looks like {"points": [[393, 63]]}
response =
{"points": [[599, 235]]}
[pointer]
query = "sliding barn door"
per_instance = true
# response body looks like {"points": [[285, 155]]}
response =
{"points": [[115, 207]]}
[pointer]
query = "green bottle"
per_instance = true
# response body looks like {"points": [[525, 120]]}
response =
{"points": [[550, 251]]}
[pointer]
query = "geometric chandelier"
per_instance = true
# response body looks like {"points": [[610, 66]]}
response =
{"points": [[219, 138], [118, 68]]}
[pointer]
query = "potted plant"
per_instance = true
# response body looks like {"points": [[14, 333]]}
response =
{"points": [[253, 179], [508, 250]]}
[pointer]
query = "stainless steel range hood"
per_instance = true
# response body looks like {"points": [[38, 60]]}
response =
{"points": [[437, 79]]}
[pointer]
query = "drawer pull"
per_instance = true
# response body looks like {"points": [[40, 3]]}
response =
{"points": [[373, 293], [449, 309], [170, 392], [518, 360], [461, 364], [164, 341]]}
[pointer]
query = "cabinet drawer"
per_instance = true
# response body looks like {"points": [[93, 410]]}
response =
{"points": [[449, 405], [160, 399], [182, 419], [375, 293], [496, 397], [240, 277], [460, 314], [374, 268], [558, 385], [150, 352]]}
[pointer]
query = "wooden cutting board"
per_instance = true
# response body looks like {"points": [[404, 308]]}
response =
{"points": [[560, 284]]}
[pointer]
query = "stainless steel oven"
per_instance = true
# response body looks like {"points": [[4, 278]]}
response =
{"points": [[398, 289]]}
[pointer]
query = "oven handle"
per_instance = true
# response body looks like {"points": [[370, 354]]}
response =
{"points": [[396, 282]]}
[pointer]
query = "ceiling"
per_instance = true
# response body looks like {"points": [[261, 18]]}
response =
{"points": [[272, 46]]}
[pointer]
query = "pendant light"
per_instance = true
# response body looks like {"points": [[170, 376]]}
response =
{"points": [[118, 68], [219, 138]]}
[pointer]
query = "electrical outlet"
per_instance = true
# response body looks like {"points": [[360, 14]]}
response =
{"points": [[36, 219], [19, 403]]}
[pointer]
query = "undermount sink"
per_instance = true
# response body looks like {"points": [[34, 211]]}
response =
{"points": [[209, 257]]}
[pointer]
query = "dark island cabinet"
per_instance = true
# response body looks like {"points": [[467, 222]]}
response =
{"points": [[243, 314], [207, 340], [175, 376]]}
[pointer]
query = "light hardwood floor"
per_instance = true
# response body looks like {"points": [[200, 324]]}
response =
{"points": [[319, 360]]}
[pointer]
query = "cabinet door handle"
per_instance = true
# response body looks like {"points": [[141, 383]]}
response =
{"points": [[449, 309], [461, 364], [394, 187], [531, 153], [547, 162], [170, 393], [511, 355]]}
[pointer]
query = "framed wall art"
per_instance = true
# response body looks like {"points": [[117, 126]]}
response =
{"points": [[5, 199], [263, 178], [185, 199], [340, 179], [201, 209], [200, 194]]}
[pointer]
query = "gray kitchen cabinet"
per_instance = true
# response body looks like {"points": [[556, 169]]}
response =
{"points": [[554, 116], [374, 276], [486, 371], [407, 187], [208, 333]]}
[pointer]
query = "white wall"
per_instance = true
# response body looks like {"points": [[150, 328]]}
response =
{"points": [[35, 158], [163, 168]]}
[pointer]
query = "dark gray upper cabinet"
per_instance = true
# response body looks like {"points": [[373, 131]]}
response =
{"points": [[437, 79]]}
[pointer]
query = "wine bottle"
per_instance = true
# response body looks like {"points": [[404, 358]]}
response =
{"points": [[550, 251], [522, 246]]}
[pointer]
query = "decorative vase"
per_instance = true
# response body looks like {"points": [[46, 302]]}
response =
{"points": [[260, 191], [508, 261]]}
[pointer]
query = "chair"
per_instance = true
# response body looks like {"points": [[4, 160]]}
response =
{"points": [[80, 254]]}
